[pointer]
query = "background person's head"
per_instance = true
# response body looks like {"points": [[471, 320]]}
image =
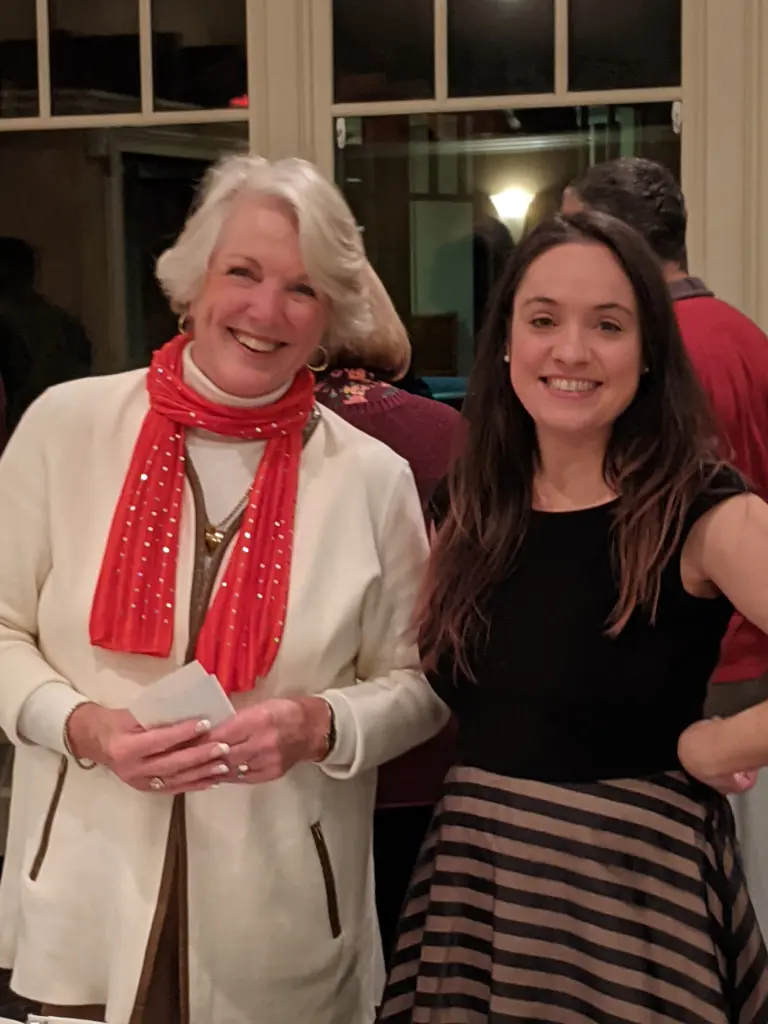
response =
{"points": [[17, 265], [386, 351], [581, 352], [269, 274], [645, 195]]}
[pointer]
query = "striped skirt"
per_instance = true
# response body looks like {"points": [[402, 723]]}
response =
{"points": [[609, 902]]}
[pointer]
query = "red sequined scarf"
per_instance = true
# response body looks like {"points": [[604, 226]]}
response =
{"points": [[133, 606]]}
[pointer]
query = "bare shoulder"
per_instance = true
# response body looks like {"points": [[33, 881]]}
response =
{"points": [[725, 542]]}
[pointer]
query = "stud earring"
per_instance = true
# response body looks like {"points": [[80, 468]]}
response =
{"points": [[506, 357]]}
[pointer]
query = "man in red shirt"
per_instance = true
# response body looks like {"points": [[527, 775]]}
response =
{"points": [[730, 355]]}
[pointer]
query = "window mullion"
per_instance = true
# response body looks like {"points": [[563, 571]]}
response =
{"points": [[43, 59], [561, 47], [145, 57], [441, 50]]}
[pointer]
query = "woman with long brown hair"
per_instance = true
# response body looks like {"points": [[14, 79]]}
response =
{"points": [[572, 616]]}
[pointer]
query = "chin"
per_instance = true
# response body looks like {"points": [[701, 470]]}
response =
{"points": [[248, 381], [572, 427]]}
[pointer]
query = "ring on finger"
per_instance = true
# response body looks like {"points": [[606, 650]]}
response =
{"points": [[242, 769], [156, 784]]}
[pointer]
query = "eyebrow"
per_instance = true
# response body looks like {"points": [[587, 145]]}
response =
{"points": [[604, 307], [302, 279]]}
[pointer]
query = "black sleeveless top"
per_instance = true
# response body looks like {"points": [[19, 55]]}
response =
{"points": [[556, 699]]}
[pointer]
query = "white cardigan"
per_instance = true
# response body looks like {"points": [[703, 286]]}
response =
{"points": [[261, 944]]}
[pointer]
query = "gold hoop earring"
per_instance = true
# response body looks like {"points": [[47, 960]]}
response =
{"points": [[324, 363], [185, 323]]}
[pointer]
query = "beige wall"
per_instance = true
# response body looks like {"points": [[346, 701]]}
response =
{"points": [[52, 195], [725, 147]]}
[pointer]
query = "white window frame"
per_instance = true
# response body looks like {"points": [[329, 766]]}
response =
{"points": [[724, 102], [724, 95], [147, 115], [561, 96]]}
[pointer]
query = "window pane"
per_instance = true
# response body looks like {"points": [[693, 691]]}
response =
{"points": [[498, 48], [97, 302], [158, 189], [199, 54], [443, 199], [18, 59], [615, 45], [383, 50], [94, 57]]}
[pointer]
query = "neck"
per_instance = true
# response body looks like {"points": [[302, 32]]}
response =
{"points": [[197, 380], [570, 475], [674, 272]]}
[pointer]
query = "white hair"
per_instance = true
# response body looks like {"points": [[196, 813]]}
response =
{"points": [[329, 239]]}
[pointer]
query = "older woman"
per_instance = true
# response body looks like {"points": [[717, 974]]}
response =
{"points": [[206, 509]]}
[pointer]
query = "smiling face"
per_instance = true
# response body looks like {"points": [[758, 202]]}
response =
{"points": [[258, 319], [575, 343]]}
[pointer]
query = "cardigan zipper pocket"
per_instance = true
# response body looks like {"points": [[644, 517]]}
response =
{"points": [[45, 835], [331, 892]]}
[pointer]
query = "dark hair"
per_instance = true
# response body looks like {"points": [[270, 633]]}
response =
{"points": [[545, 204], [644, 195], [17, 263], [661, 449]]}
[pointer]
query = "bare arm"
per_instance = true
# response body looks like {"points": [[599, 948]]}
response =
{"points": [[727, 551]]}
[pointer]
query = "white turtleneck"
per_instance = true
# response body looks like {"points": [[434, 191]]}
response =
{"points": [[225, 467]]}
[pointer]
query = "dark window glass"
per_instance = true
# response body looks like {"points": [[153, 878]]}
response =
{"points": [[158, 189], [94, 57], [498, 48], [621, 45], [18, 59], [77, 287], [383, 50], [199, 54], [443, 199]]}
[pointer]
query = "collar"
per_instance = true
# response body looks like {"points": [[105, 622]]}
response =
{"points": [[689, 288], [196, 379]]}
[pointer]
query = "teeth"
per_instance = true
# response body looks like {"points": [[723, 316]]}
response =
{"points": [[254, 344], [563, 384]]}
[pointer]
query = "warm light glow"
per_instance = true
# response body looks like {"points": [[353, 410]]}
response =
{"points": [[512, 203]]}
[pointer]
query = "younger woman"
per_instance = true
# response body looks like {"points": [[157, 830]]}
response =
{"points": [[572, 617]]}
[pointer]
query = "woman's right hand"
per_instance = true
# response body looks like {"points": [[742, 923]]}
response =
{"points": [[169, 759]]}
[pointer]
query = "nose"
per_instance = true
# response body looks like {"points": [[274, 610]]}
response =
{"points": [[571, 345], [265, 302]]}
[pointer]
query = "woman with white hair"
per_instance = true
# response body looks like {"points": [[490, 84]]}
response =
{"points": [[207, 510]]}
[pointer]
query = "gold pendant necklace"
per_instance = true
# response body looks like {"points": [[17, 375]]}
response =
{"points": [[213, 537]]}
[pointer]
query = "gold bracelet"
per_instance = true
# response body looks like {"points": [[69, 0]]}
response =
{"points": [[81, 762]]}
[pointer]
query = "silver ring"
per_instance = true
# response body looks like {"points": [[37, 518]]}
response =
{"points": [[243, 769], [156, 784]]}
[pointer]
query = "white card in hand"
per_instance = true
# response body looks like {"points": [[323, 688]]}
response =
{"points": [[188, 693]]}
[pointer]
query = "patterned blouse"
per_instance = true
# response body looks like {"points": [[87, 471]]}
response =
{"points": [[352, 387]]}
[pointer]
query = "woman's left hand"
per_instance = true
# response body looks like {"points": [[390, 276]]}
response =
{"points": [[266, 740], [697, 749]]}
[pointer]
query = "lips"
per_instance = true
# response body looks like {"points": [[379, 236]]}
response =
{"points": [[253, 343]]}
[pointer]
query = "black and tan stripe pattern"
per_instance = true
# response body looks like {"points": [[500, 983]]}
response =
{"points": [[616, 902]]}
